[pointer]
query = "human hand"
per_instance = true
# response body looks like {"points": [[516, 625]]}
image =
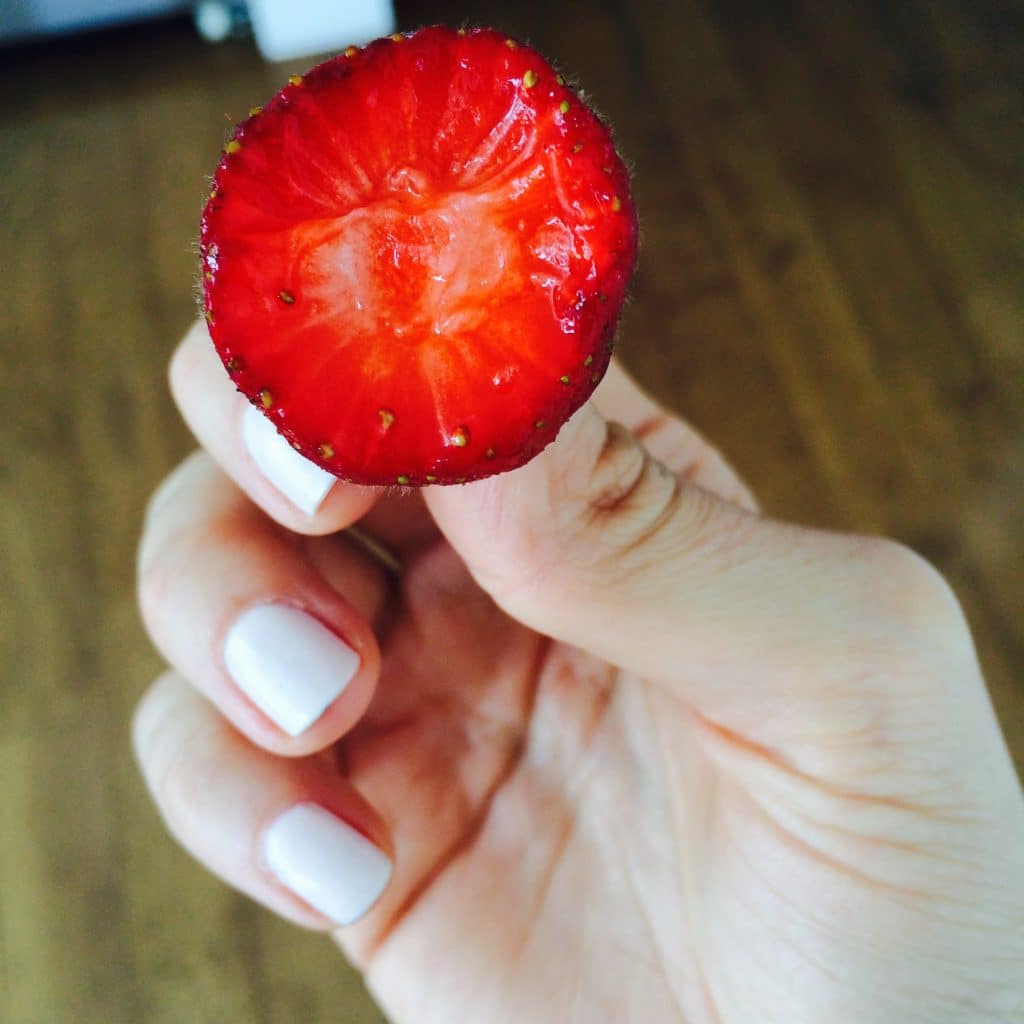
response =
{"points": [[635, 752]]}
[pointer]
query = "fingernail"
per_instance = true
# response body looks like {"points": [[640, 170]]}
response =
{"points": [[302, 482], [288, 664], [334, 868]]}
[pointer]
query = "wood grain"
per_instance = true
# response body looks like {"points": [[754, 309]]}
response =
{"points": [[831, 286]]}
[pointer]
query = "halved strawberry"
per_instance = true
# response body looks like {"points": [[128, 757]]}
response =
{"points": [[415, 257]]}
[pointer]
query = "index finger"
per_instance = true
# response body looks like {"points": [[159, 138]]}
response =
{"points": [[292, 490]]}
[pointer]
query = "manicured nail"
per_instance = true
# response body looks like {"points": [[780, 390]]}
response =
{"points": [[302, 482], [288, 664], [334, 868]]}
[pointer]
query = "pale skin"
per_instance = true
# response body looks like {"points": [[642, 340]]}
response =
{"points": [[639, 752]]}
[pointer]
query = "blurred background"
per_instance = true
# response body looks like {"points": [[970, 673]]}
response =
{"points": [[831, 286]]}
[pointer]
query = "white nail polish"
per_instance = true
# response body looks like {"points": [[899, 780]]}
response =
{"points": [[291, 666], [302, 482], [334, 868]]}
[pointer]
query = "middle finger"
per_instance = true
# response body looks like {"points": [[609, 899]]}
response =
{"points": [[241, 610]]}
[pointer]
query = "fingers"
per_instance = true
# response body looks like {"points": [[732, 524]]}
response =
{"points": [[291, 833], [247, 614], [289, 488], [766, 628], [301, 496]]}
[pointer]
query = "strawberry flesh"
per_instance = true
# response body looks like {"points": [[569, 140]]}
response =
{"points": [[415, 257]]}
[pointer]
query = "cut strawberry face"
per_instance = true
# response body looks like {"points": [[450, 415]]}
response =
{"points": [[415, 257]]}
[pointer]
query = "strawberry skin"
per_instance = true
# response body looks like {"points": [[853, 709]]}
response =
{"points": [[415, 257]]}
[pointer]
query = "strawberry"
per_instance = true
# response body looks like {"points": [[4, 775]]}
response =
{"points": [[415, 257]]}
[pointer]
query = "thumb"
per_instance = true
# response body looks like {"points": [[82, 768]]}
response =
{"points": [[757, 623]]}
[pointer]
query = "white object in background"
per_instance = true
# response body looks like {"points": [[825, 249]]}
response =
{"points": [[213, 20], [286, 29]]}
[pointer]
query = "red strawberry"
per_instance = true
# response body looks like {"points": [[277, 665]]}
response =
{"points": [[415, 257]]}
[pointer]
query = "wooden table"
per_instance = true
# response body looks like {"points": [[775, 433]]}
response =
{"points": [[832, 286]]}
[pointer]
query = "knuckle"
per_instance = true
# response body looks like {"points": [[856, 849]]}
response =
{"points": [[688, 455], [721, 531], [177, 772], [170, 570], [917, 602], [160, 747], [185, 520], [158, 574], [180, 788], [602, 499], [674, 444], [155, 582], [606, 509], [185, 554], [148, 716], [885, 641], [587, 497], [615, 473], [629, 510], [158, 520]]}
